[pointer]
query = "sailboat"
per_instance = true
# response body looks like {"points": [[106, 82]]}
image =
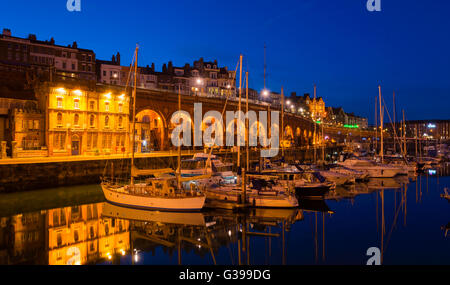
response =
{"points": [[247, 191], [160, 193]]}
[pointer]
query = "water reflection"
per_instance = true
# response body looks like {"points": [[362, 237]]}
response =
{"points": [[335, 231], [64, 236]]}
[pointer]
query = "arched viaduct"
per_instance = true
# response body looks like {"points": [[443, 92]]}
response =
{"points": [[154, 110]]}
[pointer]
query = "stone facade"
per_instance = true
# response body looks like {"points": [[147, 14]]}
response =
{"points": [[85, 122]]}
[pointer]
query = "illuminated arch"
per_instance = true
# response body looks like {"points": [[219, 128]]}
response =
{"points": [[150, 126]]}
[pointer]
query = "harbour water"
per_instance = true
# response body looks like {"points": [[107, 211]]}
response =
{"points": [[404, 217]]}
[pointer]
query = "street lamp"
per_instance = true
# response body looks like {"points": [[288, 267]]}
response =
{"points": [[199, 82]]}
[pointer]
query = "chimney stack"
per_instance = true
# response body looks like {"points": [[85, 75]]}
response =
{"points": [[7, 32], [118, 58]]}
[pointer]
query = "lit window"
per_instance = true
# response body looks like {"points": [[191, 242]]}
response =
{"points": [[92, 121], [59, 118], [120, 108], [76, 104], [59, 102], [107, 106]]}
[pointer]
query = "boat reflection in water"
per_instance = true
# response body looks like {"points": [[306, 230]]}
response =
{"points": [[202, 233], [102, 233]]}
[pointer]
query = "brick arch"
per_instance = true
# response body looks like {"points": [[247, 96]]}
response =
{"points": [[151, 128]]}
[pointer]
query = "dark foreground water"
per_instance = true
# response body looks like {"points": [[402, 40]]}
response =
{"points": [[404, 217]]}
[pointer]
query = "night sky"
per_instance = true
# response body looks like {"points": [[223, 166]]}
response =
{"points": [[339, 45]]}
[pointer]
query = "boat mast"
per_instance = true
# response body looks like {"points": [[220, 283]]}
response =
{"points": [[282, 121], [134, 114], [265, 67], [315, 125], [395, 130], [246, 121], [416, 142], [179, 144], [323, 142], [376, 126], [404, 135], [381, 125], [239, 116]]}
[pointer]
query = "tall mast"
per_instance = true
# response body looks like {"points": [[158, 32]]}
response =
{"points": [[404, 135], [246, 121], [282, 121], [240, 102], [416, 141], [265, 66], [179, 146], [395, 130], [323, 142], [134, 114], [381, 125], [376, 125], [315, 125]]}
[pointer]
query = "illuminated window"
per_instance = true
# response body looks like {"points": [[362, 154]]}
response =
{"points": [[120, 108], [76, 103], [59, 119], [59, 102], [92, 121], [107, 106]]}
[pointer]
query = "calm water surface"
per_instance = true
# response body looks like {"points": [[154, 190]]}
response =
{"points": [[405, 217]]}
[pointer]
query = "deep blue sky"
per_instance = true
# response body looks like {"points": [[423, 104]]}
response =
{"points": [[339, 45]]}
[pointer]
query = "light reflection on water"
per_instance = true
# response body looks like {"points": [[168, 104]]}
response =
{"points": [[405, 216]]}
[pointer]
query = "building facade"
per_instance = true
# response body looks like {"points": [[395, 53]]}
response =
{"points": [[428, 129], [45, 59], [85, 122]]}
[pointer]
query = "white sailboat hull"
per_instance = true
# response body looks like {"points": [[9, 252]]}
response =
{"points": [[194, 218], [178, 204]]}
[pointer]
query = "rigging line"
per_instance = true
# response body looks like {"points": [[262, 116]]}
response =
{"points": [[394, 223], [395, 131], [129, 72], [223, 111]]}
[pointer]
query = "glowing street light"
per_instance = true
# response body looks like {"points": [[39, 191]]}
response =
{"points": [[61, 90]]}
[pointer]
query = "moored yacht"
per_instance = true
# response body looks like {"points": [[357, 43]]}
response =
{"points": [[373, 169], [157, 193], [259, 193]]}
